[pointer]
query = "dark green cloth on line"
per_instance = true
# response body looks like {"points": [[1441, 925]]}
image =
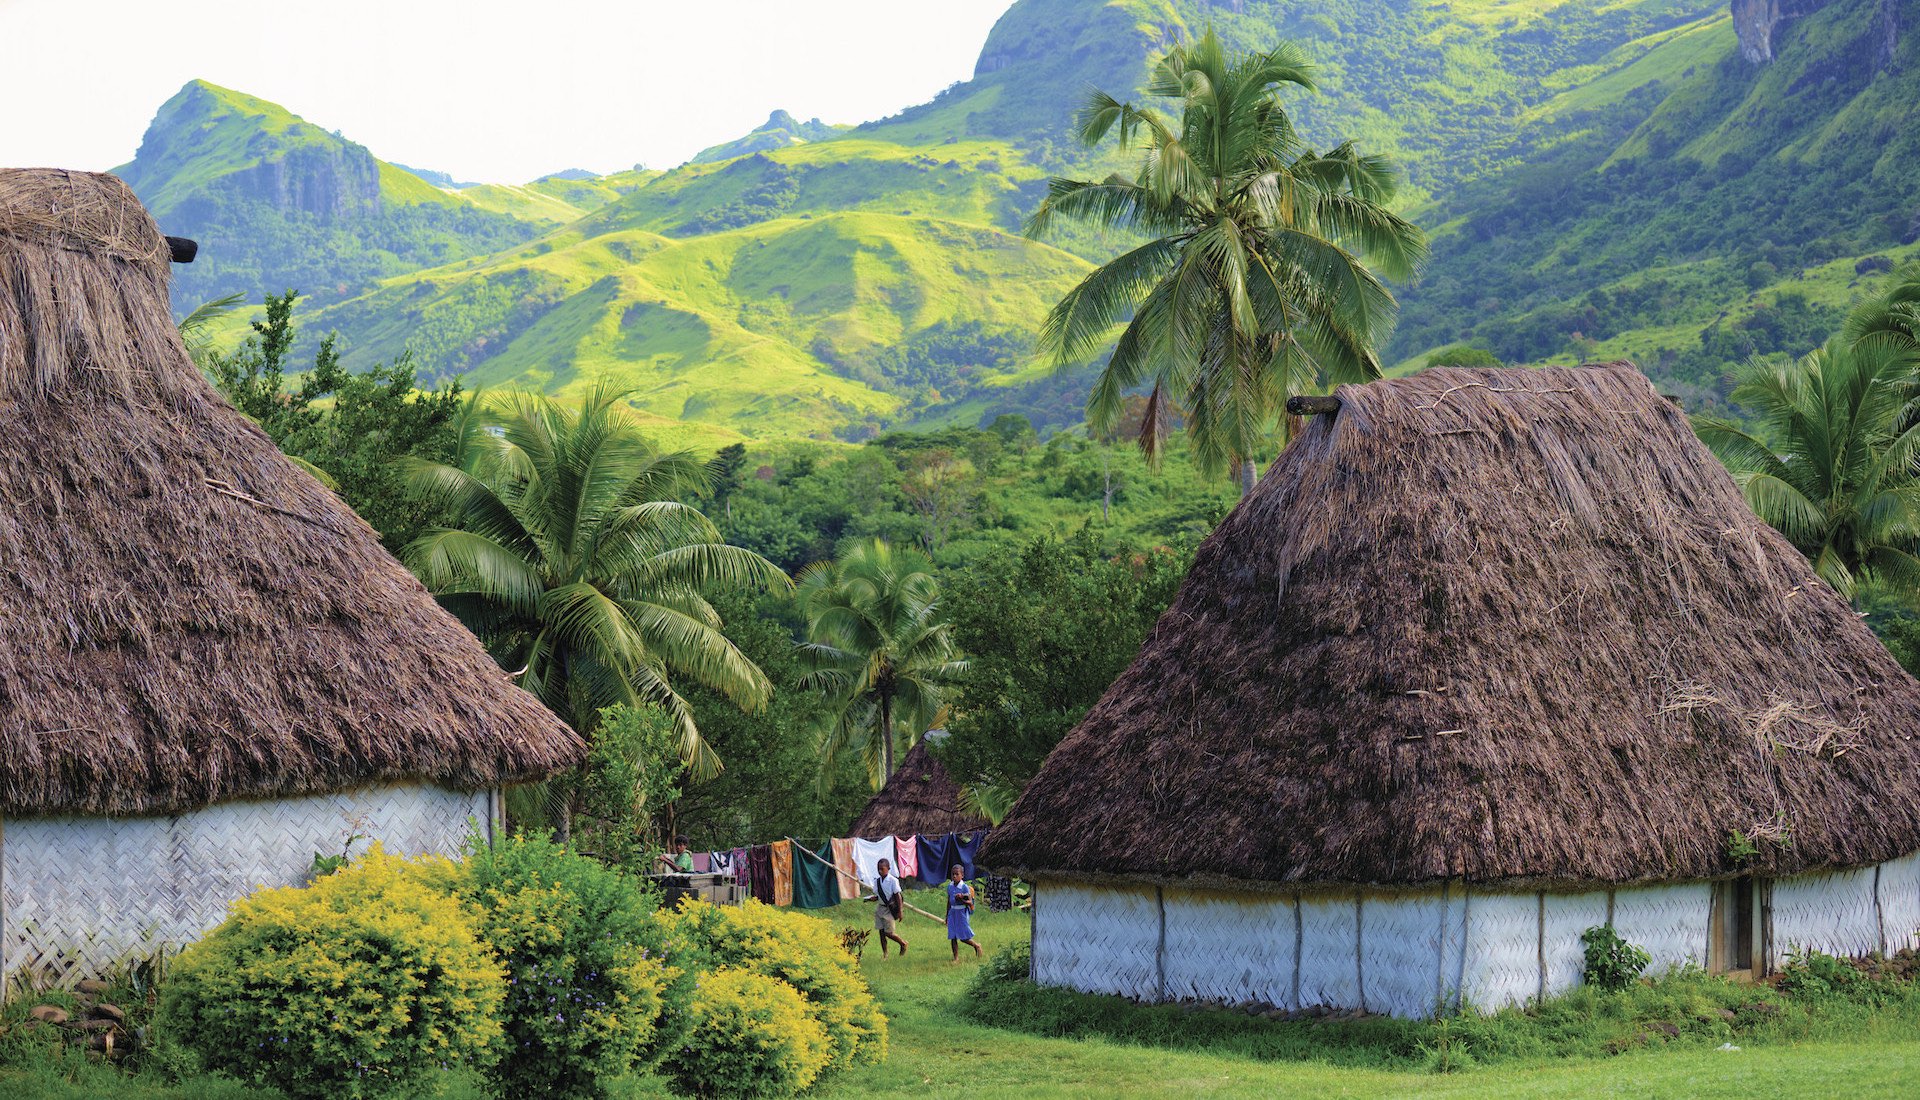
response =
{"points": [[815, 886]]}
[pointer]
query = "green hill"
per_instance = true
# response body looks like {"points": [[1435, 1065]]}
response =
{"points": [[1602, 176], [276, 201], [798, 326]]}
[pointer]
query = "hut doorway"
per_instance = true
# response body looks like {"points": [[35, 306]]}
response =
{"points": [[1733, 926]]}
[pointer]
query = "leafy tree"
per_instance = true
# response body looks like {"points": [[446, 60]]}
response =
{"points": [[1463, 355], [568, 550], [628, 783], [879, 648], [725, 470], [1046, 628], [1255, 284], [1891, 318], [1839, 477], [354, 443], [194, 327], [773, 753]]}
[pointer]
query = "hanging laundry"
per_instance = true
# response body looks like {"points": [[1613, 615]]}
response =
{"points": [[815, 886], [702, 862], [999, 893], [867, 855], [906, 857], [782, 872], [936, 855], [760, 861], [965, 847], [843, 864], [721, 862]]}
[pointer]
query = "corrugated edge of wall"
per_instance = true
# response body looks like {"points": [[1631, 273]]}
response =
{"points": [[78, 894], [1408, 954]]}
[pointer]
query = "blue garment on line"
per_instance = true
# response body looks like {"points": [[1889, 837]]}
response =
{"points": [[935, 854], [965, 847]]}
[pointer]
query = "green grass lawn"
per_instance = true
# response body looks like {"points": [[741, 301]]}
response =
{"points": [[935, 1051]]}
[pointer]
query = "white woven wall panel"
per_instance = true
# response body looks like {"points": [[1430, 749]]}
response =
{"points": [[1329, 957], [1402, 951], [1501, 963], [1229, 947], [1097, 940], [1568, 915], [1900, 901], [81, 893], [1670, 922], [1830, 911]]}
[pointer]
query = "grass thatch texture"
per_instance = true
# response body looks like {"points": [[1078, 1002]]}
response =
{"points": [[188, 617], [920, 798], [1499, 625]]}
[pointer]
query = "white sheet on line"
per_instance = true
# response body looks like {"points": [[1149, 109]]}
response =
{"points": [[866, 856]]}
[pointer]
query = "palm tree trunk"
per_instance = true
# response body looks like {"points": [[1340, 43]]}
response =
{"points": [[1246, 476], [886, 738]]}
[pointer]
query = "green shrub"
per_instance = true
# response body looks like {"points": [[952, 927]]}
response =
{"points": [[802, 951], [589, 969], [1012, 963], [364, 984], [751, 1035], [1612, 963], [1813, 974]]}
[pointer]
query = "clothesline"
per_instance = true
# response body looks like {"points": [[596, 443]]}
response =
{"points": [[903, 901], [844, 868]]}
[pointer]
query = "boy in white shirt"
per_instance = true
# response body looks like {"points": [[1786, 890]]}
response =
{"points": [[887, 903]]}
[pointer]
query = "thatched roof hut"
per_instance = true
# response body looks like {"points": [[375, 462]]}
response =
{"points": [[1496, 632], [190, 619], [919, 799]]}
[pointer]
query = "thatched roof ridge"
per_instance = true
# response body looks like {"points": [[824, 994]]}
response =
{"points": [[1500, 625], [919, 798], [187, 616]]}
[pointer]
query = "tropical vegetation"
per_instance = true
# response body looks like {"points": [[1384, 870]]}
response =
{"points": [[880, 649], [1256, 283], [568, 549]]}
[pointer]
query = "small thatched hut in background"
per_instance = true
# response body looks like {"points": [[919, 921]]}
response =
{"points": [[209, 668], [1487, 659], [919, 799]]}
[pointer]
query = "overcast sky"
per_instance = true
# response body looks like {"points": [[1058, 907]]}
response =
{"points": [[489, 91]]}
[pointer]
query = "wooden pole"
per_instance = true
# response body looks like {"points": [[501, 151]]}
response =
{"points": [[1310, 405], [815, 856]]}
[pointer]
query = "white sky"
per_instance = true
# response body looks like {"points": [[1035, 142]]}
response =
{"points": [[490, 91]]}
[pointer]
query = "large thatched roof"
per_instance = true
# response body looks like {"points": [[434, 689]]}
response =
{"points": [[188, 617], [920, 798], [1499, 625]]}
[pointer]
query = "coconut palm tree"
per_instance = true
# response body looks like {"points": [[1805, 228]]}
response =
{"points": [[1891, 317], [881, 650], [1833, 468], [1255, 283], [569, 550]]}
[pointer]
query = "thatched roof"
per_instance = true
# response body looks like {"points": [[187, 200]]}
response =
{"points": [[187, 617], [1500, 625], [920, 798]]}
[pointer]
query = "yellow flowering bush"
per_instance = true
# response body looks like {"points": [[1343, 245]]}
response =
{"points": [[590, 978], [803, 952], [750, 1035], [364, 984]]}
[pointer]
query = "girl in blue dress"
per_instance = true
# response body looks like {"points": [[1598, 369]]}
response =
{"points": [[960, 913]]}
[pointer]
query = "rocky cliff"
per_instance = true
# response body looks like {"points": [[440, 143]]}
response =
{"points": [[1757, 22]]}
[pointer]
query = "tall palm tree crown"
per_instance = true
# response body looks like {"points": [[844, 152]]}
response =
{"points": [[569, 551], [879, 646], [1833, 466], [1256, 283]]}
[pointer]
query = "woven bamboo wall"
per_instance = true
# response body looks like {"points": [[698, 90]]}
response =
{"points": [[79, 893], [1404, 953], [1900, 902], [1834, 912]]}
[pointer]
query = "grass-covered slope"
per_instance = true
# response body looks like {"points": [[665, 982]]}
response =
{"points": [[798, 326], [1695, 207], [276, 201]]}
